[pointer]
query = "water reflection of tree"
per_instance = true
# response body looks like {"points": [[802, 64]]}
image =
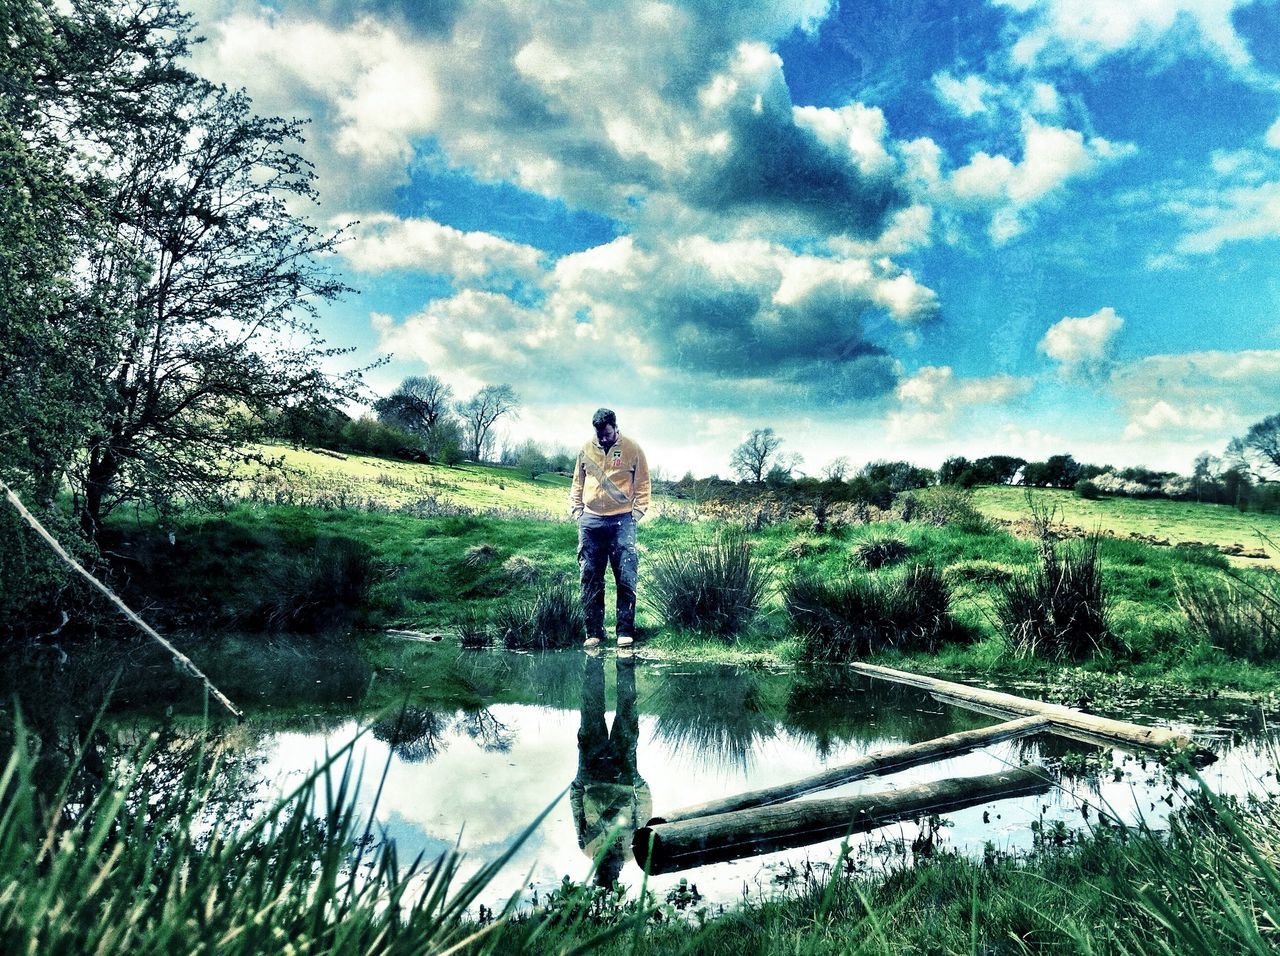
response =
{"points": [[718, 715], [414, 734], [491, 734]]}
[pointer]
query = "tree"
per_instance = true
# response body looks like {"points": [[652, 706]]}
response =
{"points": [[752, 459], [1258, 451], [836, 469], [419, 405], [479, 412], [531, 459], [188, 281], [70, 81]]}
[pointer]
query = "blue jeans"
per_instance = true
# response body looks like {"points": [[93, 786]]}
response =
{"points": [[608, 540]]}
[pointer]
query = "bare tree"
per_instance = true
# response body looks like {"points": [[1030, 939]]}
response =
{"points": [[752, 459], [1258, 452], [836, 469], [482, 409]]}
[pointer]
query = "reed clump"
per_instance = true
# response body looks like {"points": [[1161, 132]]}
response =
{"points": [[715, 588], [853, 616]]}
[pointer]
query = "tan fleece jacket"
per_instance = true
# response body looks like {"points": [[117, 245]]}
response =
{"points": [[612, 482]]}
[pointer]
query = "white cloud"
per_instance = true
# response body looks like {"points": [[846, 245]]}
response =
{"points": [[1082, 344], [1084, 32], [933, 400], [1272, 136], [1200, 397], [1052, 156], [383, 242], [1235, 214], [967, 96]]}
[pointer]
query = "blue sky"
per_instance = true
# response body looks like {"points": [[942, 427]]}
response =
{"points": [[892, 228]]}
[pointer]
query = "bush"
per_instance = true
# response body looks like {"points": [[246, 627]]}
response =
{"points": [[479, 554], [1088, 490], [553, 619], [1058, 610], [858, 615], [944, 506], [1240, 618], [716, 588]]}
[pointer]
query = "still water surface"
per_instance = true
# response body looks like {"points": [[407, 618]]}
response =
{"points": [[612, 738]]}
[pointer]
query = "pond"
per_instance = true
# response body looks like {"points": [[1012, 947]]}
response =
{"points": [[604, 739], [620, 739]]}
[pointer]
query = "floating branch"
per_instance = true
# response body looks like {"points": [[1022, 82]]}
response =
{"points": [[1065, 720]]}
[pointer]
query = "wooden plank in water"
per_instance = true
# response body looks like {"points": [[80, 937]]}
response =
{"points": [[1118, 733], [666, 847], [870, 765]]}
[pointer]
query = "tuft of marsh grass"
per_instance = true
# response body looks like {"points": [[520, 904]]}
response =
{"points": [[520, 569], [474, 629], [1059, 608], [877, 550], [714, 588], [318, 588], [1240, 617], [552, 619], [853, 616], [479, 554]]}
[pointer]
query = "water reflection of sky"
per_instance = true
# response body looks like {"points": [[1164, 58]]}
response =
{"points": [[476, 779]]}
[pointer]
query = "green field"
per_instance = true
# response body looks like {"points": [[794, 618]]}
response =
{"points": [[311, 477], [1168, 522]]}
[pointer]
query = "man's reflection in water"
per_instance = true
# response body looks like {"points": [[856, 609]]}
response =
{"points": [[608, 791]]}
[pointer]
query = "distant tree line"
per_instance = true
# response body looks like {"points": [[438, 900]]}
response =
{"points": [[1242, 477]]}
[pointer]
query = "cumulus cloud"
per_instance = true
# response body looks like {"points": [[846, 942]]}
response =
{"points": [[967, 95], [933, 400], [721, 322], [1006, 190], [629, 110], [1203, 396], [383, 242], [1082, 344], [1084, 32]]}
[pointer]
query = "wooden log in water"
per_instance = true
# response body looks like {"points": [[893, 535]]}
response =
{"points": [[870, 765], [728, 836], [1118, 733]]}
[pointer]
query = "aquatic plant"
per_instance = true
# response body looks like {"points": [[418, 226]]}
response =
{"points": [[553, 618], [1058, 609], [714, 588], [852, 616]]}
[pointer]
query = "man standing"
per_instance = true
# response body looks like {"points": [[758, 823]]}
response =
{"points": [[610, 494]]}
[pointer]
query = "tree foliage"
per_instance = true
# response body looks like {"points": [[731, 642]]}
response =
{"points": [[158, 279]]}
